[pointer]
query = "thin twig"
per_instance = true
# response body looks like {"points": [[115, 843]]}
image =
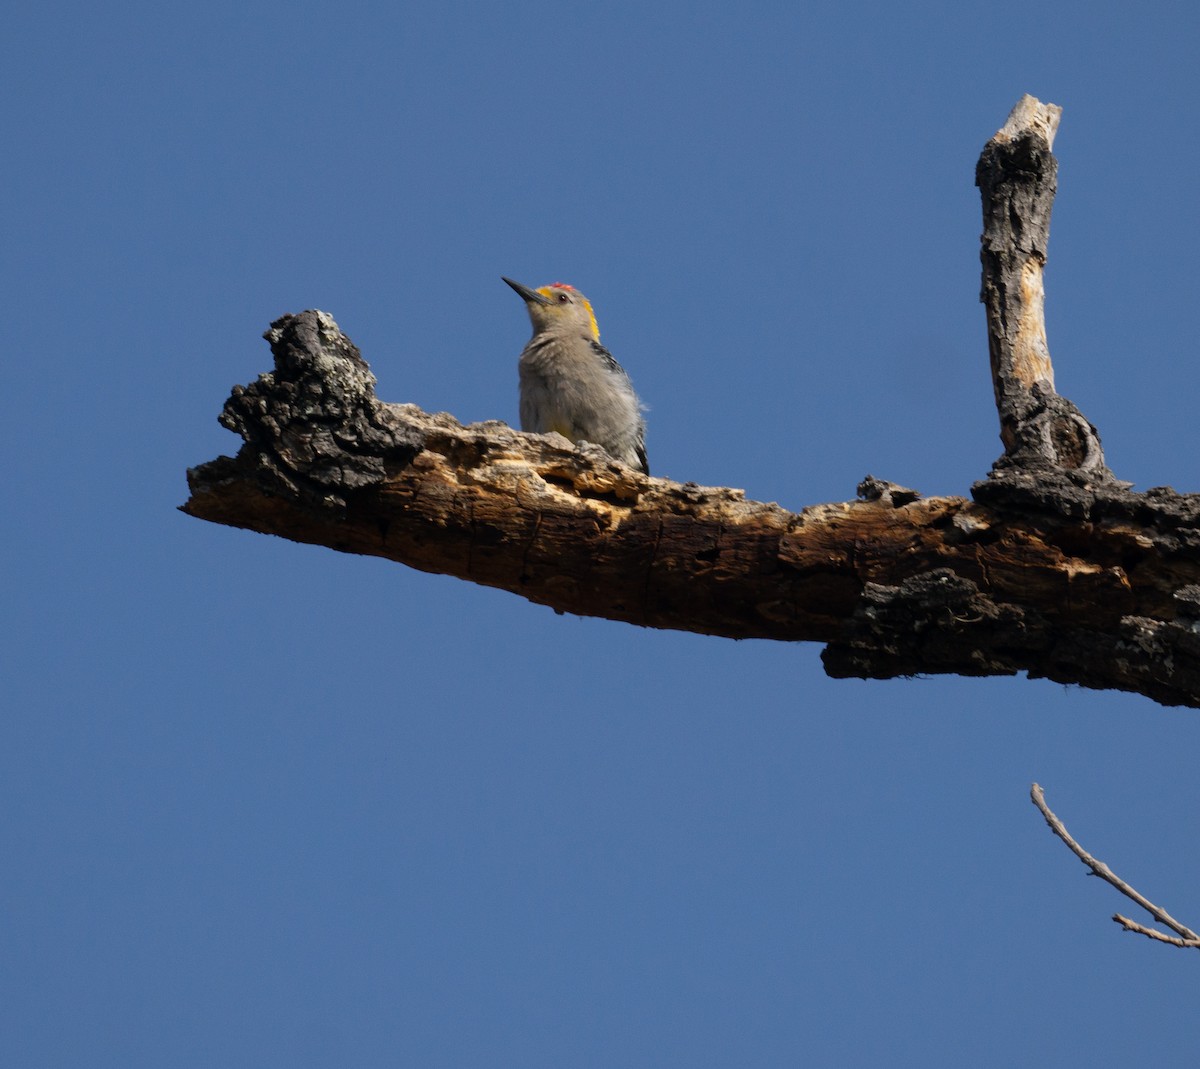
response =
{"points": [[1188, 937], [1152, 933]]}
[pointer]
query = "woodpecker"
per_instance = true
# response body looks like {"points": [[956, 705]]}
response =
{"points": [[570, 383]]}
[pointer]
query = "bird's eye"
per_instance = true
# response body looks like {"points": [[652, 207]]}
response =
{"points": [[563, 299]]}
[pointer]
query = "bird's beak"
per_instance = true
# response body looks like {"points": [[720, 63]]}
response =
{"points": [[526, 294]]}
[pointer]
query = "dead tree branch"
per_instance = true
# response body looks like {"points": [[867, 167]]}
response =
{"points": [[1053, 567], [1184, 936]]}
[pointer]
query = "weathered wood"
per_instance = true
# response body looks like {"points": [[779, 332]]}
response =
{"points": [[1053, 567], [1017, 176], [896, 585]]}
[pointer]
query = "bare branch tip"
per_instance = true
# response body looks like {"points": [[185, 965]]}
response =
{"points": [[1186, 937], [1153, 933], [1030, 114]]}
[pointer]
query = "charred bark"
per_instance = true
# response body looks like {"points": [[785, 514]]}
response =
{"points": [[1053, 567]]}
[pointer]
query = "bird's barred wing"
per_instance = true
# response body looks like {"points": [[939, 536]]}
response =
{"points": [[610, 361], [610, 364]]}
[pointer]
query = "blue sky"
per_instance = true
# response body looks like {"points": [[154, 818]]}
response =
{"points": [[264, 804]]}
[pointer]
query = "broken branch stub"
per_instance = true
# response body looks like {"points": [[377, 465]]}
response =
{"points": [[1017, 177]]}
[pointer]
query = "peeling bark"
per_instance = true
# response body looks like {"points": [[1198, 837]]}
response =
{"points": [[1053, 567]]}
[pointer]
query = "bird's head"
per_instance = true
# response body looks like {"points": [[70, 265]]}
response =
{"points": [[558, 309]]}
